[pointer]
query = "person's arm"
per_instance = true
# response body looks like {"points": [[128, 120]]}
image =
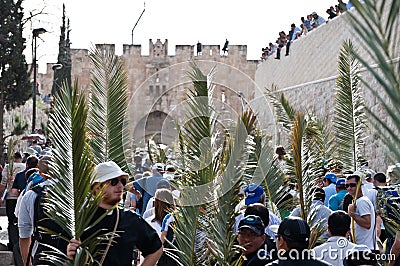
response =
{"points": [[15, 191], [363, 221], [133, 202], [4, 181], [395, 251], [151, 259], [25, 223], [2, 188], [378, 225], [24, 244]]}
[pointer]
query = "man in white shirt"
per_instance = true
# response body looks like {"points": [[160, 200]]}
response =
{"points": [[363, 214], [337, 247]]}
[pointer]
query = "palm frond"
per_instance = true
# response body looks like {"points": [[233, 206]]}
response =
{"points": [[222, 222], [107, 127], [377, 25], [202, 156], [185, 229], [69, 201], [10, 155], [283, 110], [350, 118], [302, 162], [268, 174]]}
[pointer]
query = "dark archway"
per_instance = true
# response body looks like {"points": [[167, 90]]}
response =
{"points": [[156, 125]]}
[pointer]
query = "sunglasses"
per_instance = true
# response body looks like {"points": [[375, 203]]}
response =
{"points": [[351, 185], [115, 181]]}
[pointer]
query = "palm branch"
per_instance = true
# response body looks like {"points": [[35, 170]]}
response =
{"points": [[302, 163], [268, 174], [326, 146], [107, 126], [200, 166], [377, 25], [234, 163], [69, 201], [156, 151], [10, 155], [284, 111], [350, 119]]}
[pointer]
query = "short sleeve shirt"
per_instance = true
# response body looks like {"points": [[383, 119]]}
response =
{"points": [[363, 235], [133, 232]]}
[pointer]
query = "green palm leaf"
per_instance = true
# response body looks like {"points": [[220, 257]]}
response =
{"points": [[350, 118], [239, 147], [377, 25], [201, 153], [69, 201], [302, 162], [108, 106], [283, 110]]}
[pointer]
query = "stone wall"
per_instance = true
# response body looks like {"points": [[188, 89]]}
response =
{"points": [[158, 82], [308, 75]]}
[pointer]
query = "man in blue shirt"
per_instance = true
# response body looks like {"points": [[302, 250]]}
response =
{"points": [[329, 186], [336, 201]]}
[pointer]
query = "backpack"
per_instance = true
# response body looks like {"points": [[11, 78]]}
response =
{"points": [[41, 220], [166, 260]]}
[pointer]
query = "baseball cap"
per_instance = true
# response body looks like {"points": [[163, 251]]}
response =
{"points": [[253, 223], [319, 194], [106, 171], [341, 182], [158, 166], [331, 177], [170, 168], [253, 194], [292, 228], [29, 151], [44, 163], [163, 183]]}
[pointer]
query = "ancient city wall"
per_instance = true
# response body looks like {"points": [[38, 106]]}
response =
{"points": [[308, 76]]}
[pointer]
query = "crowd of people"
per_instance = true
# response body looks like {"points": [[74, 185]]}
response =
{"points": [[308, 23], [145, 215]]}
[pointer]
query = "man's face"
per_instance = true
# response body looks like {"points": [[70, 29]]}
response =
{"points": [[351, 186], [250, 240], [113, 190]]}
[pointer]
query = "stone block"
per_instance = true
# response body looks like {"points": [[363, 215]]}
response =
{"points": [[6, 258]]}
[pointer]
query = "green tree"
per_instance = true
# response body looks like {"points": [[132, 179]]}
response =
{"points": [[15, 88], [64, 57]]}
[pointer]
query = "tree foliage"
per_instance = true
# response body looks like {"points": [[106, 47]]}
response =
{"points": [[15, 88]]}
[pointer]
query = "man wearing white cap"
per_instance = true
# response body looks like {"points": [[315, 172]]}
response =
{"points": [[132, 230]]}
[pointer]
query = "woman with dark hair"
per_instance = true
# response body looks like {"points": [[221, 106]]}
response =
{"points": [[163, 204]]}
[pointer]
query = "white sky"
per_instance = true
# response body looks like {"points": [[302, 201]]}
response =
{"points": [[253, 22]]}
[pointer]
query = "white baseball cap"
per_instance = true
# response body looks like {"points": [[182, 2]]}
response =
{"points": [[106, 171]]}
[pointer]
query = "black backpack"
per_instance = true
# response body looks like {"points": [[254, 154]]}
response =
{"points": [[41, 220]]}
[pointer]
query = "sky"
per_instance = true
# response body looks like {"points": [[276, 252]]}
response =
{"points": [[254, 23]]}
